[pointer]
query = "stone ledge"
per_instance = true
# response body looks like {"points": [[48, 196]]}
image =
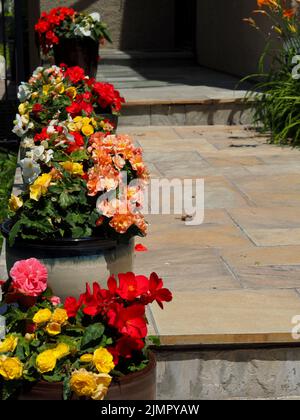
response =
{"points": [[202, 101], [228, 317]]}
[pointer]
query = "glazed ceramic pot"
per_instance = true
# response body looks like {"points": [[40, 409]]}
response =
{"points": [[72, 263], [134, 387], [82, 52]]}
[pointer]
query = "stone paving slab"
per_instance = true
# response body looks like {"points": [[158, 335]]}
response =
{"points": [[228, 317]]}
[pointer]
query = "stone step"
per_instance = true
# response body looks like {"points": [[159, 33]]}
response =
{"points": [[230, 344], [184, 112]]}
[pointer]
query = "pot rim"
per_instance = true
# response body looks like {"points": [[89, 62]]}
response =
{"points": [[5, 228]]}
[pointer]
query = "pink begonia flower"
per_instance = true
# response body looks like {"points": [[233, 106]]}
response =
{"points": [[55, 300], [29, 277]]}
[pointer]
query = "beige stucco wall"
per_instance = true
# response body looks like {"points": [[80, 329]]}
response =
{"points": [[224, 41], [134, 24]]}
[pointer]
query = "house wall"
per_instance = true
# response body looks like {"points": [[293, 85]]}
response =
{"points": [[134, 24], [224, 41]]}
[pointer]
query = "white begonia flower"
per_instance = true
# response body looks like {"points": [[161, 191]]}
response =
{"points": [[51, 130], [96, 16], [21, 126], [48, 155], [27, 142], [84, 28], [37, 71], [24, 92], [36, 153], [30, 170]]}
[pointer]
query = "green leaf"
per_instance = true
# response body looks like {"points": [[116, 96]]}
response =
{"points": [[56, 377], [67, 389], [79, 156], [72, 343], [14, 232], [92, 335], [66, 200], [154, 340]]}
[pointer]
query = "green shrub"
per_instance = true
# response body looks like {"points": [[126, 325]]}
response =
{"points": [[8, 162]]}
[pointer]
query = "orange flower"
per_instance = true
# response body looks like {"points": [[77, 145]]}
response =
{"points": [[122, 222], [268, 3], [289, 13]]}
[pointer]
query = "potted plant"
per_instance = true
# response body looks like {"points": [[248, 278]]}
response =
{"points": [[83, 186], [73, 37], [60, 94], [92, 348]]}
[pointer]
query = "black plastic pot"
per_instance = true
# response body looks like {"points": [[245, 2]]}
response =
{"points": [[82, 52]]}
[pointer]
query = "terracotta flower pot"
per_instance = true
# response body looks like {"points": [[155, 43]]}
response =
{"points": [[72, 263], [134, 387], [82, 52]]}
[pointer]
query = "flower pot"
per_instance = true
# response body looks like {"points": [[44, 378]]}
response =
{"points": [[72, 263], [82, 52], [133, 387]]}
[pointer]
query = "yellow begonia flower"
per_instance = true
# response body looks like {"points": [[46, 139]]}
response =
{"points": [[11, 368], [73, 127], [53, 329], [88, 384], [40, 186], [35, 95], [61, 351], [78, 122], [71, 92], [88, 130], [59, 316], [15, 203], [87, 358], [73, 168], [94, 122], [9, 344], [46, 89], [42, 316], [103, 360], [46, 361], [23, 108], [60, 88], [86, 121]]}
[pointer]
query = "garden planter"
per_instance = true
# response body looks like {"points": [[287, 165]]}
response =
{"points": [[133, 387], [72, 263], [82, 52]]}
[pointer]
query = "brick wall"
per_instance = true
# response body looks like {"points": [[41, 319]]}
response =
{"points": [[134, 24]]}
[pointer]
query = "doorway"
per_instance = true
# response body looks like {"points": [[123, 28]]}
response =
{"points": [[185, 25]]}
